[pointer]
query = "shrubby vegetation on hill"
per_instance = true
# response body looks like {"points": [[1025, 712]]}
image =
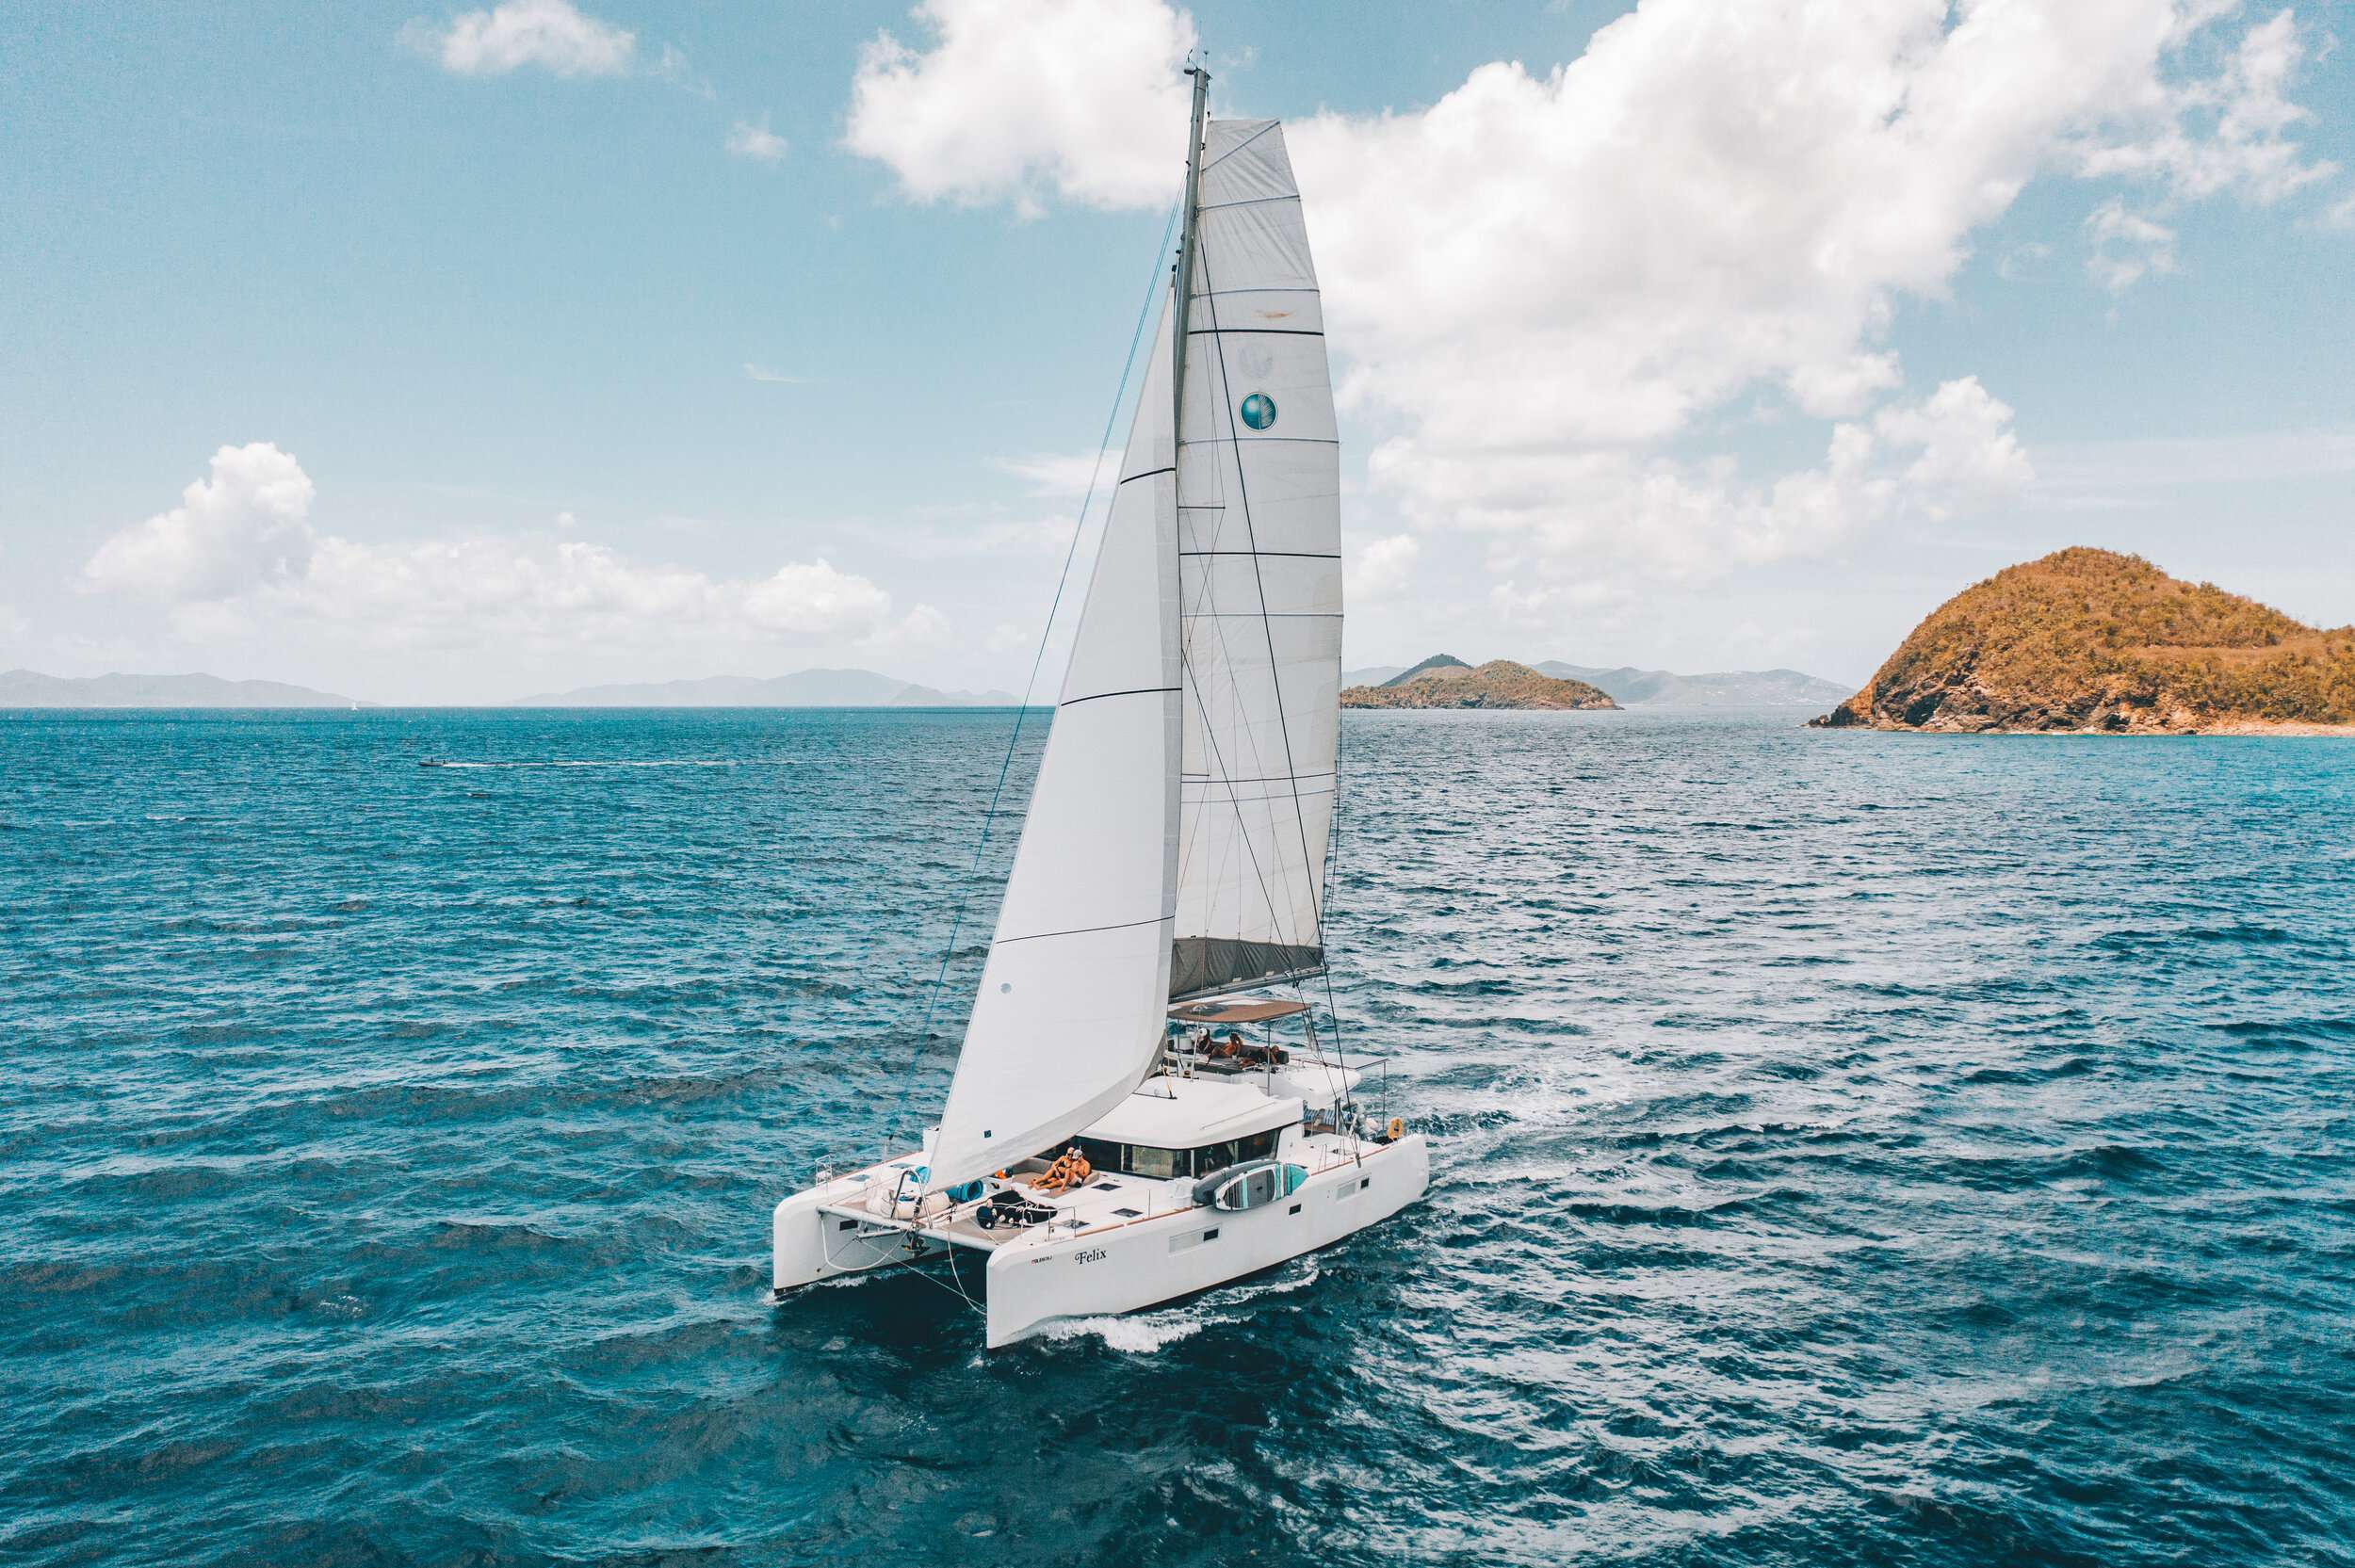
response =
{"points": [[2092, 640], [1498, 683]]}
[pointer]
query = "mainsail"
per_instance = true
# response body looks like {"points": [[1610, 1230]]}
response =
{"points": [[1259, 555], [1174, 840]]}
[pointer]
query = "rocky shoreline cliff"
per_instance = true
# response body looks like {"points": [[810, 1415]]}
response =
{"points": [[2092, 641]]}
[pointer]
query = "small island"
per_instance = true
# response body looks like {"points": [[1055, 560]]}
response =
{"points": [[2092, 641], [1442, 682]]}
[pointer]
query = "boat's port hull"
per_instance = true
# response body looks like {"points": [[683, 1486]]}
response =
{"points": [[1053, 1274], [809, 1244]]}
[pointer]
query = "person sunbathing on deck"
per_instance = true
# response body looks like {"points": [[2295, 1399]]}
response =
{"points": [[1070, 1171]]}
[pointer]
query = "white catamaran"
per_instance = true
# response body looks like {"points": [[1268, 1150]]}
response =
{"points": [[1111, 1140]]}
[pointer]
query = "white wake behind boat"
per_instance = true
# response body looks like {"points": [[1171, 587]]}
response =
{"points": [[1110, 1142]]}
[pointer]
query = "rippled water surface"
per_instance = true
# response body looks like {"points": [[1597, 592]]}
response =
{"points": [[1851, 1148]]}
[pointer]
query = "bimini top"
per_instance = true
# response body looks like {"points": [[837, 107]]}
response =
{"points": [[1237, 1010], [1188, 1113]]}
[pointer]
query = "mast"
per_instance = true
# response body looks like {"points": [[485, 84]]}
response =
{"points": [[1201, 75]]}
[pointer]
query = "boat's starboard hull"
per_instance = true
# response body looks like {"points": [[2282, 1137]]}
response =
{"points": [[1102, 1272]]}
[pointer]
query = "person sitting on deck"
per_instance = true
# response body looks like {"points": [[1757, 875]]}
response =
{"points": [[1070, 1171], [1237, 1049]]}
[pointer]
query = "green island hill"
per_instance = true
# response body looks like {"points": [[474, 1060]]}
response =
{"points": [[1440, 682], [2088, 641]]}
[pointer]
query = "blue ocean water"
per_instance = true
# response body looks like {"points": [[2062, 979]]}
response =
{"points": [[1852, 1148]]}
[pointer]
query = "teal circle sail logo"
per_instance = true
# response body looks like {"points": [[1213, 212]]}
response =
{"points": [[1258, 411]]}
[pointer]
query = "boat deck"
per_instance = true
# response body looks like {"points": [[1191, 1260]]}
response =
{"points": [[1109, 1199]]}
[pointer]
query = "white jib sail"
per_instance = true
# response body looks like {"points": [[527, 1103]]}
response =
{"points": [[1069, 1015], [1260, 542]]}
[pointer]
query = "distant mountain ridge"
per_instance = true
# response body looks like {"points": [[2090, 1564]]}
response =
{"points": [[1435, 662], [803, 689], [1725, 689], [1655, 689], [30, 688], [1443, 682]]}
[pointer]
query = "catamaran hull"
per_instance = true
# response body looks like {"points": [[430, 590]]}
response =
{"points": [[809, 1245], [1049, 1276]]}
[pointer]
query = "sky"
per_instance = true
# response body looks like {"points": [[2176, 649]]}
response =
{"points": [[443, 355]]}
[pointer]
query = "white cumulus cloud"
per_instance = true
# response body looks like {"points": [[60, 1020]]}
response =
{"points": [[2126, 247], [1019, 99], [244, 525], [1708, 198], [1546, 284], [1578, 512], [812, 599], [1714, 200], [240, 552], [2228, 131], [553, 35], [749, 138], [1381, 569]]}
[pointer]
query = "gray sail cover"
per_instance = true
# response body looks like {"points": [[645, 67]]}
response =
{"points": [[1259, 579]]}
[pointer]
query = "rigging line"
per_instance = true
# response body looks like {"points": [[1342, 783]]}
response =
{"points": [[1283, 723], [951, 1247], [1079, 526]]}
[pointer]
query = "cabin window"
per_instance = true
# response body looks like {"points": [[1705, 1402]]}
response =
{"points": [[1142, 1159], [1159, 1163], [1135, 1160], [1240, 1151]]}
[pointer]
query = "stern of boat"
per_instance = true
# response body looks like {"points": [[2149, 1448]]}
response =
{"points": [[826, 1231]]}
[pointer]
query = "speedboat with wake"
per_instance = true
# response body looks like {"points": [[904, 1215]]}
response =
{"points": [[1112, 1138]]}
